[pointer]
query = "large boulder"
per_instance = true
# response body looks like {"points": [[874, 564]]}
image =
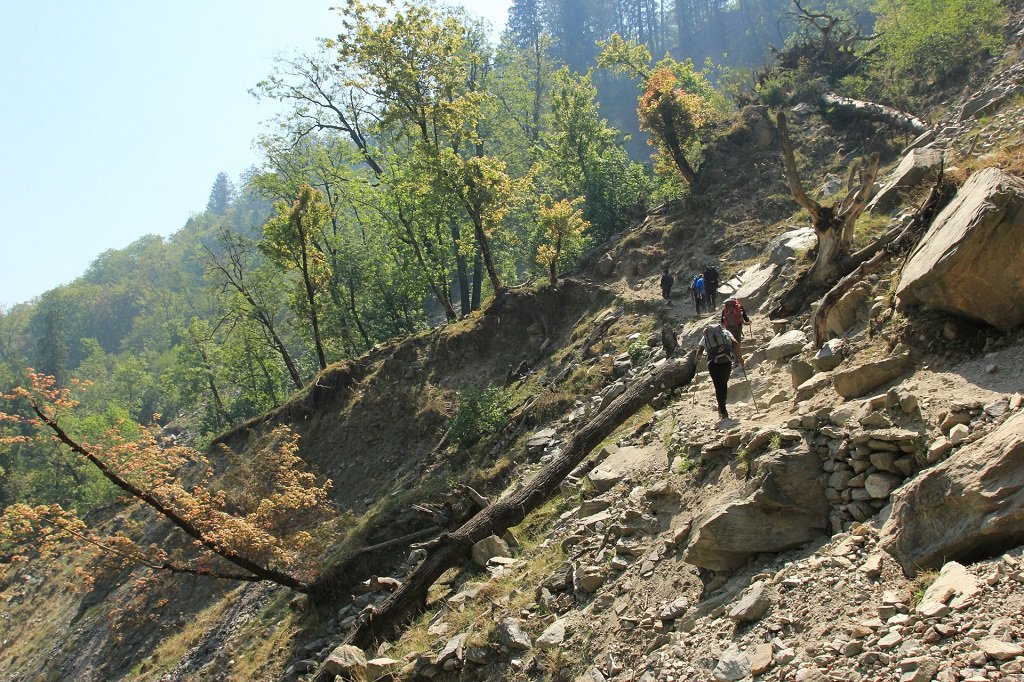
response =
{"points": [[847, 310], [968, 506], [751, 286], [785, 345], [916, 168], [830, 355], [984, 102], [862, 379], [969, 263], [788, 244], [781, 506], [346, 660], [488, 548]]}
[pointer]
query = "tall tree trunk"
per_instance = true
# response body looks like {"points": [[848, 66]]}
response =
{"points": [[478, 276], [314, 318], [452, 549], [268, 325], [485, 253], [439, 291], [355, 311], [676, 150], [460, 269]]}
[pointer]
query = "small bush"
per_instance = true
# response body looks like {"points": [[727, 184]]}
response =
{"points": [[480, 413], [637, 352]]}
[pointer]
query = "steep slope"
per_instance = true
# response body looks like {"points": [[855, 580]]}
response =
{"points": [[611, 563]]}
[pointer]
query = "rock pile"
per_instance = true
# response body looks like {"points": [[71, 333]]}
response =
{"points": [[866, 632]]}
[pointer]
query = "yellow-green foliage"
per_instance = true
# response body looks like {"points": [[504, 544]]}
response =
{"points": [[922, 41]]}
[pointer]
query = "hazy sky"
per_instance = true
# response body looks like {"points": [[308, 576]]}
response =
{"points": [[117, 115]]}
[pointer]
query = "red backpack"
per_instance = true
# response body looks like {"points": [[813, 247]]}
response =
{"points": [[732, 315]]}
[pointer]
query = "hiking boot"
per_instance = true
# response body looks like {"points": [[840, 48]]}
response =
{"points": [[723, 414]]}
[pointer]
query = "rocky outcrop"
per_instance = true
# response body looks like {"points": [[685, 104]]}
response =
{"points": [[751, 286], [785, 345], [790, 243], [917, 167], [346, 660], [846, 312], [782, 506], [970, 505], [969, 262], [858, 381], [488, 548], [830, 355]]}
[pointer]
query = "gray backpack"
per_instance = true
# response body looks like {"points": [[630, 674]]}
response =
{"points": [[717, 344]]}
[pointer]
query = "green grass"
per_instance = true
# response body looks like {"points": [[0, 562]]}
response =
{"points": [[921, 584]]}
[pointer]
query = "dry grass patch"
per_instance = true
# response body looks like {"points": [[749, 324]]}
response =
{"points": [[173, 648]]}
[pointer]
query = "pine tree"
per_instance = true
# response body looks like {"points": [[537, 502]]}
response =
{"points": [[221, 195]]}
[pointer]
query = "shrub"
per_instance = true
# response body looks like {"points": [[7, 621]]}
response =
{"points": [[637, 352], [924, 41], [480, 413]]}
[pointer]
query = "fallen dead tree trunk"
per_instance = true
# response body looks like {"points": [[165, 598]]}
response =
{"points": [[452, 549], [876, 112]]}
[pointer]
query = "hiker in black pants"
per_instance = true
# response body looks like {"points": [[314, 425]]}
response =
{"points": [[697, 287], [721, 348], [711, 286], [666, 285]]}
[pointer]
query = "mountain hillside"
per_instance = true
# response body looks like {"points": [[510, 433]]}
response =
{"points": [[858, 516]]}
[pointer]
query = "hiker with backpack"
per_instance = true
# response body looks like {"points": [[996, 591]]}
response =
{"points": [[711, 286], [698, 292], [722, 350], [666, 285], [734, 317]]}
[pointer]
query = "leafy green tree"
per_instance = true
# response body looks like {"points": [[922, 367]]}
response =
{"points": [[678, 105], [563, 226], [525, 68], [288, 243], [330, 164], [205, 365], [582, 156], [420, 69], [49, 332], [249, 292]]}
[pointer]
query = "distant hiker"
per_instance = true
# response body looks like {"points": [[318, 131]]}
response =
{"points": [[698, 292], [666, 285], [734, 317], [722, 349], [711, 286], [669, 340]]}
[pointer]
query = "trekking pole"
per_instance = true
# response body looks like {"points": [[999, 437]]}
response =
{"points": [[751, 387]]}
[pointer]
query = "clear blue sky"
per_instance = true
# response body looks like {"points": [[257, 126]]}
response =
{"points": [[117, 116]]}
